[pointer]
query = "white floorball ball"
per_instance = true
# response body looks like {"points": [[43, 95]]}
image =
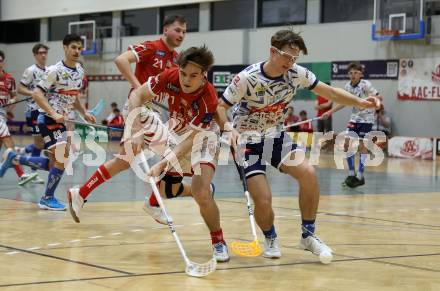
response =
{"points": [[325, 257]]}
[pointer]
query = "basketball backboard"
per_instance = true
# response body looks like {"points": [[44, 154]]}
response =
{"points": [[87, 31], [398, 20]]}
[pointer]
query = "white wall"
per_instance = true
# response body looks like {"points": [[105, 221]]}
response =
{"points": [[15, 9], [326, 42]]}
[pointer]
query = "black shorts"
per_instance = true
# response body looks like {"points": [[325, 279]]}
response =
{"points": [[361, 129], [270, 150], [53, 133], [32, 121]]}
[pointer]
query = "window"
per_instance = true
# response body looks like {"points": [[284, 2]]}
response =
{"points": [[190, 12], [103, 20], [221, 14], [346, 10], [281, 12], [140, 21], [59, 26], [20, 31]]}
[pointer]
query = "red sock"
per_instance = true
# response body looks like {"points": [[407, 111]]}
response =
{"points": [[153, 200], [217, 236], [99, 177], [19, 170]]}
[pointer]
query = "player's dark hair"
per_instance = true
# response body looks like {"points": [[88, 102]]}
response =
{"points": [[69, 38], [2, 55], [38, 46], [114, 104], [355, 66], [303, 112], [202, 56], [287, 37], [170, 19]]}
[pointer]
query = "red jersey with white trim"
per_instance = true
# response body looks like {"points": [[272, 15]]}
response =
{"points": [[152, 58], [7, 89], [63, 85], [194, 110]]}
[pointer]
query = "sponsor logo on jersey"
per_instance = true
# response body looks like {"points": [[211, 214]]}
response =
{"points": [[260, 91], [172, 87], [160, 53], [207, 118], [195, 105], [65, 76]]}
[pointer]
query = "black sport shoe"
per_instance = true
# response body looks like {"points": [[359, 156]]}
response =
{"points": [[353, 182], [350, 181], [359, 182]]}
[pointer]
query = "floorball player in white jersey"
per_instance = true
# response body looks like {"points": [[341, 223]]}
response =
{"points": [[64, 81], [360, 124], [263, 92], [29, 81]]}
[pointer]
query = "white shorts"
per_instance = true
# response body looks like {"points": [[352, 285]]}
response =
{"points": [[4, 130], [160, 140]]}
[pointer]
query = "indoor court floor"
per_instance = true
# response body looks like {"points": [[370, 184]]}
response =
{"points": [[385, 235]]}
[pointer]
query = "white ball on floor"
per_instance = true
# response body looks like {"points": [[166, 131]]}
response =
{"points": [[326, 257]]}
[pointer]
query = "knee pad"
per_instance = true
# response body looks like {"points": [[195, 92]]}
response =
{"points": [[169, 182]]}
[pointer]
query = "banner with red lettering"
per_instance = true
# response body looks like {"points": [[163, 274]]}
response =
{"points": [[419, 79], [410, 147]]}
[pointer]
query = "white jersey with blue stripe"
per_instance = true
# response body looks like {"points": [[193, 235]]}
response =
{"points": [[261, 100], [363, 90], [30, 79], [62, 85]]}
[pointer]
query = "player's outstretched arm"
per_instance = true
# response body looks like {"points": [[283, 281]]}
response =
{"points": [[220, 115], [123, 62], [24, 91], [222, 120], [343, 97]]}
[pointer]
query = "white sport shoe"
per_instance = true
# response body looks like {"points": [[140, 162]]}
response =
{"points": [[316, 246], [155, 212], [221, 253], [76, 203], [271, 248]]}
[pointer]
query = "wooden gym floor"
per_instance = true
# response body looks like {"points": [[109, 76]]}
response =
{"points": [[385, 235]]}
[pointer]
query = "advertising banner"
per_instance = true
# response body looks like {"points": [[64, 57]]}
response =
{"points": [[419, 79]]}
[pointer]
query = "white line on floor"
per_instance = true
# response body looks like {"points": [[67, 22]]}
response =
{"points": [[12, 253], [53, 244], [95, 237]]}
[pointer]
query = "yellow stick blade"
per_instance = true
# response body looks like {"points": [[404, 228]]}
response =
{"points": [[246, 249]]}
